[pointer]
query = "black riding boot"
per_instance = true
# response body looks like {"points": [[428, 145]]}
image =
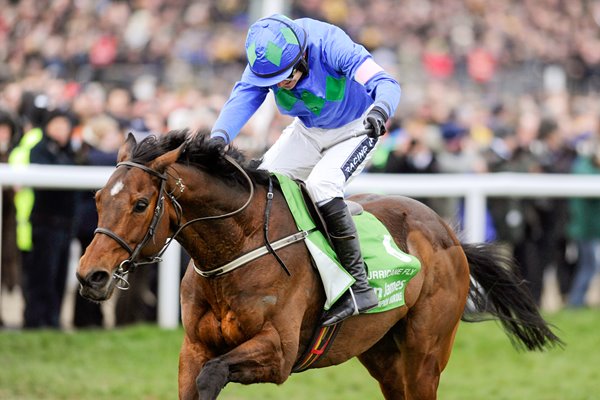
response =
{"points": [[360, 297]]}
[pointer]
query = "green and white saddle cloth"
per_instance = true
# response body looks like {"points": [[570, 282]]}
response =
{"points": [[389, 269]]}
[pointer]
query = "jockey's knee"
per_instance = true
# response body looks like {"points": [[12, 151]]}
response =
{"points": [[323, 191]]}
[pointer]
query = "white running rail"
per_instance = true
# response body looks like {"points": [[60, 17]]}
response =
{"points": [[474, 188]]}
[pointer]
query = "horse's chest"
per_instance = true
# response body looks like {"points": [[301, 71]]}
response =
{"points": [[227, 331]]}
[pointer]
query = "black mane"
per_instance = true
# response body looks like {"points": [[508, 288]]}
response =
{"points": [[196, 153]]}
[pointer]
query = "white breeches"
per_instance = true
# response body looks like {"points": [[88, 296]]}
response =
{"points": [[325, 159]]}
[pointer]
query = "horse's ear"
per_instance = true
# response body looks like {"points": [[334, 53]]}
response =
{"points": [[161, 163], [126, 148]]}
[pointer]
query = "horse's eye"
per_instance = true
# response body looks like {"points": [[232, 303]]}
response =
{"points": [[140, 205]]}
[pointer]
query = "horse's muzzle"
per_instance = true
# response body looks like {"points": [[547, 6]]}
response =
{"points": [[96, 286]]}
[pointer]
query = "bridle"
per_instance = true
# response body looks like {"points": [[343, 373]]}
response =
{"points": [[130, 263]]}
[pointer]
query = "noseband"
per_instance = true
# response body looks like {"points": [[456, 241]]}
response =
{"points": [[129, 264]]}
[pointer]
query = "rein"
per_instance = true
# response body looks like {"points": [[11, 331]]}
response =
{"points": [[129, 264]]}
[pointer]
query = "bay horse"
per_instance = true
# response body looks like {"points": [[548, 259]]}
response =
{"points": [[253, 323]]}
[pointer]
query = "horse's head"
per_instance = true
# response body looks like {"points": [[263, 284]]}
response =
{"points": [[132, 225]]}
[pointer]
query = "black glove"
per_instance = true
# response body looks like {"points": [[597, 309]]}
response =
{"points": [[216, 145], [375, 122]]}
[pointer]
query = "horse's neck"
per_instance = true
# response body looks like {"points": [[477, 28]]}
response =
{"points": [[211, 241]]}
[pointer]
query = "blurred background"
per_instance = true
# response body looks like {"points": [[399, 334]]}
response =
{"points": [[487, 86], [508, 86]]}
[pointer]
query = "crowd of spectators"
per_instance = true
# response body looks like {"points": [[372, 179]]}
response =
{"points": [[477, 38], [487, 86]]}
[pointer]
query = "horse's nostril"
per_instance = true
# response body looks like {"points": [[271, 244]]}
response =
{"points": [[98, 278]]}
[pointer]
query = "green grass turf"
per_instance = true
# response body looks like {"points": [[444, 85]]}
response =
{"points": [[141, 363]]}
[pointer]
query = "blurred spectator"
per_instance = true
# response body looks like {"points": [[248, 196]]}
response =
{"points": [[52, 221], [511, 215], [584, 227], [481, 65], [11, 101], [458, 154], [409, 151], [24, 197], [437, 59], [499, 122], [118, 106], [10, 264], [554, 155], [516, 220]]}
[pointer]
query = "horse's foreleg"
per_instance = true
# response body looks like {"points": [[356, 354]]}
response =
{"points": [[191, 359], [260, 359]]}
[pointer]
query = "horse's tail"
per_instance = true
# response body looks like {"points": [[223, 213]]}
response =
{"points": [[497, 289]]}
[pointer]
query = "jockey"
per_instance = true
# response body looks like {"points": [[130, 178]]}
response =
{"points": [[335, 90]]}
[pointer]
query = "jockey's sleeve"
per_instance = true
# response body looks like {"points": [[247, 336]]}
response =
{"points": [[354, 61], [383, 89], [243, 102]]}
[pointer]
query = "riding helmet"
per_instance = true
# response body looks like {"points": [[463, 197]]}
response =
{"points": [[274, 46]]}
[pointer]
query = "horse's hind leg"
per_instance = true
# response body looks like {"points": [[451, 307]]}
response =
{"points": [[424, 357], [384, 364], [408, 361]]}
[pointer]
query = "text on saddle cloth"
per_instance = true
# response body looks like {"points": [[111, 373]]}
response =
{"points": [[389, 269]]}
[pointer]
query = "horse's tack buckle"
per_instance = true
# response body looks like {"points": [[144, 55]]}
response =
{"points": [[120, 275], [180, 185]]}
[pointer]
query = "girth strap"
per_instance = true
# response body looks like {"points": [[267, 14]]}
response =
{"points": [[321, 342]]}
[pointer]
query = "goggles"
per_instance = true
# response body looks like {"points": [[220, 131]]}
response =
{"points": [[301, 66]]}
